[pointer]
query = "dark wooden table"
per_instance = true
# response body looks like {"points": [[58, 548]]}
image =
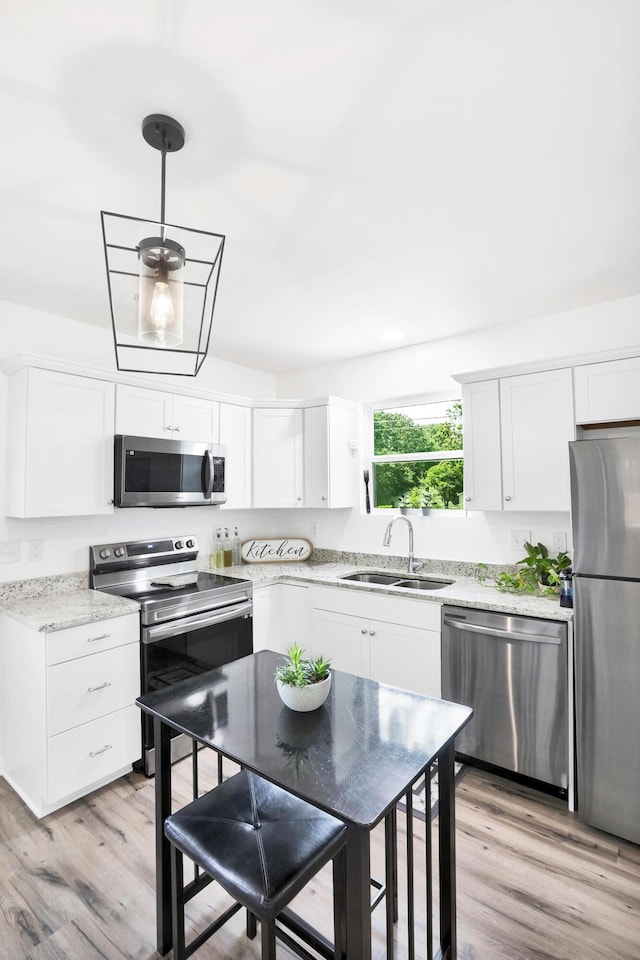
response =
{"points": [[355, 757]]}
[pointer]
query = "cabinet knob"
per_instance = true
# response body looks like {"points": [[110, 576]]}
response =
{"points": [[507, 498], [364, 630], [176, 429], [467, 499], [372, 633], [168, 427], [324, 498], [298, 498]]}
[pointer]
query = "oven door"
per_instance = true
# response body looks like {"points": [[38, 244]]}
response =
{"points": [[182, 648]]}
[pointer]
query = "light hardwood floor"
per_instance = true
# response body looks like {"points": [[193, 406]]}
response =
{"points": [[533, 883]]}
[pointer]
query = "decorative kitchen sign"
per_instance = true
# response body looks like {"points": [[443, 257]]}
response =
{"points": [[276, 551]]}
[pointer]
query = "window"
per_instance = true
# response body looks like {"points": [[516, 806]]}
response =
{"points": [[417, 455]]}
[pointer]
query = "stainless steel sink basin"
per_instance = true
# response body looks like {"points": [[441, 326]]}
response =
{"points": [[395, 580], [422, 584], [384, 578]]}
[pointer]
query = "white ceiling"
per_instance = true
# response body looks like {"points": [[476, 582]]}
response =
{"points": [[421, 166]]}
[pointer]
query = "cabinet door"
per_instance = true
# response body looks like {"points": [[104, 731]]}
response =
{"points": [[144, 413], [195, 418], [295, 614], [235, 435], [606, 392], [482, 456], [266, 618], [342, 639], [328, 459], [316, 457], [60, 445], [537, 424], [405, 657], [277, 458]]}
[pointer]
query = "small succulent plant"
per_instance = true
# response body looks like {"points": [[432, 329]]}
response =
{"points": [[298, 671]]}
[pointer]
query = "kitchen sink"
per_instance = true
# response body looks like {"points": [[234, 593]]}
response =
{"points": [[395, 580], [422, 584], [382, 578]]}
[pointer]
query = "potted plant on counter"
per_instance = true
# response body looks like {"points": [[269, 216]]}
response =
{"points": [[303, 683], [546, 568]]}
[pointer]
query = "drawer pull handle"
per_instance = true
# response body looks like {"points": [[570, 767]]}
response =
{"points": [[101, 687], [95, 753], [103, 636]]}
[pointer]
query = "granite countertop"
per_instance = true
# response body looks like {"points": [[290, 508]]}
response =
{"points": [[465, 591], [59, 602], [50, 612]]}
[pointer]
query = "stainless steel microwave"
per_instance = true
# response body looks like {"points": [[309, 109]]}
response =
{"points": [[168, 473]]}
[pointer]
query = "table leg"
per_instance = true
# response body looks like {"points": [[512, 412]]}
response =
{"points": [[447, 851], [162, 742], [358, 893]]}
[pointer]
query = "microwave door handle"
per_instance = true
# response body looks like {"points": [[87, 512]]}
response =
{"points": [[208, 475]]}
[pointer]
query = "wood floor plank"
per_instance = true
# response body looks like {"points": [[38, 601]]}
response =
{"points": [[533, 882]]}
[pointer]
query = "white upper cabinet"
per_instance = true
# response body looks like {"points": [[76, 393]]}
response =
{"points": [[328, 459], [141, 412], [536, 424], [235, 435], [608, 392], [482, 446], [516, 432], [277, 457], [60, 445]]}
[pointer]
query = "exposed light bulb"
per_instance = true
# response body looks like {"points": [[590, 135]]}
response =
{"points": [[161, 312]]}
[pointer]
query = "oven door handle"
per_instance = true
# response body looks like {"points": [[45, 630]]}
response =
{"points": [[164, 630]]}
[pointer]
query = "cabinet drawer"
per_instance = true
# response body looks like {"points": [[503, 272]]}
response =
{"points": [[90, 687], [92, 638], [92, 752]]}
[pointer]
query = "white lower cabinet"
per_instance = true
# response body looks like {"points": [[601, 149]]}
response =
{"points": [[389, 639], [281, 616], [69, 718]]}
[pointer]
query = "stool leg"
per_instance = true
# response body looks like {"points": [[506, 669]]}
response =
{"points": [[268, 928], [177, 904], [340, 904], [252, 926]]}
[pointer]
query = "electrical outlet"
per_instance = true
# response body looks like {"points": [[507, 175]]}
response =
{"points": [[36, 549], [315, 529], [558, 542], [518, 538]]}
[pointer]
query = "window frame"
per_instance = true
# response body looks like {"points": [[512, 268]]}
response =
{"points": [[423, 456]]}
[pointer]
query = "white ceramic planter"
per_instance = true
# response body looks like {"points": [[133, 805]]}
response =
{"points": [[304, 699]]}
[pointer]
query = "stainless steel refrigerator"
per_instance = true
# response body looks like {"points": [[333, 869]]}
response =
{"points": [[605, 505]]}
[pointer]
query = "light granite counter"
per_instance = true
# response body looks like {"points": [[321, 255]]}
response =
{"points": [[49, 612], [465, 591], [57, 602]]}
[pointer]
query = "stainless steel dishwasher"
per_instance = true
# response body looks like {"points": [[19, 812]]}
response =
{"points": [[513, 671]]}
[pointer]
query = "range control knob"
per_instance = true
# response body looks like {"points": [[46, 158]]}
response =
{"points": [[119, 552], [105, 554], [179, 544], [191, 544]]}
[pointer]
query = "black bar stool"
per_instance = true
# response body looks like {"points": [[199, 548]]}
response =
{"points": [[262, 845]]}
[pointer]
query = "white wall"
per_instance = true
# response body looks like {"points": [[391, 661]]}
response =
{"points": [[428, 368], [470, 537], [66, 539]]}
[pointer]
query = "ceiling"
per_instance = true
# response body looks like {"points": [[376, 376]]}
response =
{"points": [[380, 168]]}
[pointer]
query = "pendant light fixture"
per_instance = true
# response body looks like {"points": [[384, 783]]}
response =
{"points": [[162, 279]]}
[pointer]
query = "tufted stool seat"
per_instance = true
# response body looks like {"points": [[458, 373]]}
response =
{"points": [[262, 845]]}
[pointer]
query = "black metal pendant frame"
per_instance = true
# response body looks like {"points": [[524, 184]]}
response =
{"points": [[125, 240]]}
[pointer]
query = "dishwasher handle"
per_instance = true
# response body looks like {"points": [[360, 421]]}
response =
{"points": [[458, 624]]}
